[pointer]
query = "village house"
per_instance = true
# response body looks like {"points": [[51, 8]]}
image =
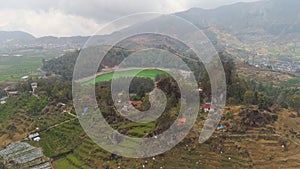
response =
{"points": [[34, 137], [33, 86], [136, 103], [13, 93], [207, 107]]}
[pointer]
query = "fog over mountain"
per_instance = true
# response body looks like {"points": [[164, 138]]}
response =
{"points": [[6, 36], [270, 18]]}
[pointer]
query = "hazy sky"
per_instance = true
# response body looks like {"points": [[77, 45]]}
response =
{"points": [[84, 17]]}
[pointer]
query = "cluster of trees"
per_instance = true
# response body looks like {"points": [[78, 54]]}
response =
{"points": [[257, 98], [2, 93], [294, 102], [65, 64], [239, 90], [171, 89], [55, 88]]}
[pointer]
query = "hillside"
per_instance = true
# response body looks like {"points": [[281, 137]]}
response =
{"points": [[259, 49], [8, 36], [272, 17]]}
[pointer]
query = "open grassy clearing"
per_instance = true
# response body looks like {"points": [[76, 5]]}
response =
{"points": [[295, 82], [13, 68], [129, 73]]}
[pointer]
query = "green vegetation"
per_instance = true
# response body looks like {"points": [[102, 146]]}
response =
{"points": [[63, 139], [293, 82], [64, 65], [13, 68], [129, 73], [30, 105]]}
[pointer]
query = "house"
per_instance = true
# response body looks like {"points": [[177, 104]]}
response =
{"points": [[182, 120], [2, 102], [25, 77], [33, 136], [207, 107], [4, 98], [33, 86], [36, 139], [119, 101], [60, 104], [12, 93], [136, 103]]}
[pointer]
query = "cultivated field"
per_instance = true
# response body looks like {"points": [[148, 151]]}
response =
{"points": [[128, 73]]}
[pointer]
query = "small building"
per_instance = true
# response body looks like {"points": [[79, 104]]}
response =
{"points": [[136, 103], [25, 77], [2, 102], [182, 120], [4, 98], [34, 135], [208, 107], [23, 155], [12, 93], [36, 139], [34, 86], [61, 104]]}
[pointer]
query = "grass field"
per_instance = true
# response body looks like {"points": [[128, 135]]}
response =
{"points": [[293, 82], [13, 68], [129, 73]]}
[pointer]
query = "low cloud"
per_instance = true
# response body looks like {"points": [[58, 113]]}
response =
{"points": [[84, 17], [51, 22]]}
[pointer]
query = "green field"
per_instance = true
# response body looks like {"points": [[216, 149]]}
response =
{"points": [[149, 73], [13, 68], [292, 83]]}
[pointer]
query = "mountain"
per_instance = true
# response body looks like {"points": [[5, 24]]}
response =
{"points": [[243, 25], [263, 21], [21, 40], [62, 40], [7, 36], [271, 17]]}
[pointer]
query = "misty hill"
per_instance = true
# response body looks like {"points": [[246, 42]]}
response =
{"points": [[250, 23], [61, 40], [271, 17], [247, 22], [7, 36], [20, 40]]}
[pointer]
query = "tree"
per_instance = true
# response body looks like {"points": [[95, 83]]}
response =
{"points": [[141, 92], [248, 97], [295, 102], [255, 100], [263, 101]]}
